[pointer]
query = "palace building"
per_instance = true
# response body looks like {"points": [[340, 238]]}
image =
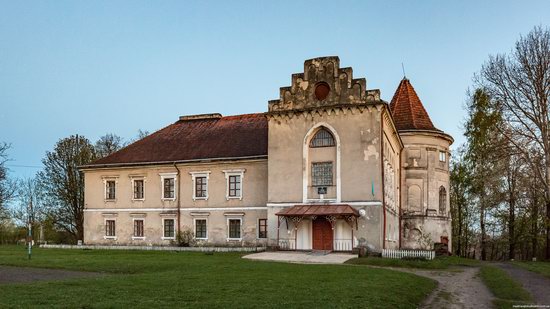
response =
{"points": [[329, 166]]}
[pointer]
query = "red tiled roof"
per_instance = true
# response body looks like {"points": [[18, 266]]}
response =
{"points": [[214, 138], [407, 109], [319, 210]]}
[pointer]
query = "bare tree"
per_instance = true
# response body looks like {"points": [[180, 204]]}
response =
{"points": [[7, 188], [520, 81], [108, 144], [63, 183]]}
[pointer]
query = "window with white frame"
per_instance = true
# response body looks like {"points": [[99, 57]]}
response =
{"points": [[168, 186], [139, 228], [139, 189], [262, 228], [234, 188], [442, 156], [110, 189], [200, 185], [234, 229], [169, 228], [110, 228], [201, 231]]}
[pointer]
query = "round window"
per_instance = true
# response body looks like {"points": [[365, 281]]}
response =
{"points": [[321, 91]]}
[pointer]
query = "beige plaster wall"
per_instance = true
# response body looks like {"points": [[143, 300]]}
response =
{"points": [[360, 140], [423, 169], [217, 208]]}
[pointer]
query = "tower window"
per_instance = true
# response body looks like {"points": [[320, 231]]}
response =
{"points": [[442, 200]]}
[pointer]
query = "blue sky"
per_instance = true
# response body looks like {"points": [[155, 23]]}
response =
{"points": [[94, 67]]}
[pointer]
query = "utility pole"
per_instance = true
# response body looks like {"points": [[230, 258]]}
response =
{"points": [[29, 237]]}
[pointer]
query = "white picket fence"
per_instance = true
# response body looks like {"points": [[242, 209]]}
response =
{"points": [[399, 254]]}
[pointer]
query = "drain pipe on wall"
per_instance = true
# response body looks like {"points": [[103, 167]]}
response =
{"points": [[382, 172], [400, 195], [178, 197]]}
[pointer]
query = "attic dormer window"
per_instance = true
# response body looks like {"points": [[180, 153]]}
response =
{"points": [[321, 91], [322, 138]]}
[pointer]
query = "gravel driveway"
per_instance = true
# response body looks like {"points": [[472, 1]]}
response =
{"points": [[536, 284], [457, 288], [9, 274]]}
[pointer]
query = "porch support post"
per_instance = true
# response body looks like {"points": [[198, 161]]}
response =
{"points": [[352, 244], [278, 226]]}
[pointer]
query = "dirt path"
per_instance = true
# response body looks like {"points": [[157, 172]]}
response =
{"points": [[458, 288], [9, 274], [536, 284]]}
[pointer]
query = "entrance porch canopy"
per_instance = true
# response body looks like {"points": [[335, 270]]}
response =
{"points": [[330, 212], [313, 210]]}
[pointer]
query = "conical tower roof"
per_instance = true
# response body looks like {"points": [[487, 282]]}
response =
{"points": [[407, 109]]}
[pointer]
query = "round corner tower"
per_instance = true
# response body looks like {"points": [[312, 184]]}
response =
{"points": [[425, 211]]}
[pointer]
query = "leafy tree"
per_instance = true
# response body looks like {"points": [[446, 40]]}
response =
{"points": [[483, 156], [63, 183], [460, 186]]}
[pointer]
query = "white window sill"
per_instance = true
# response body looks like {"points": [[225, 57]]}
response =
{"points": [[202, 239], [138, 238], [234, 239], [138, 200], [200, 198], [110, 200], [168, 238], [110, 237], [168, 199], [234, 198]]}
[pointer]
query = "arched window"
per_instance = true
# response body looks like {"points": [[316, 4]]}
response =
{"points": [[322, 138], [442, 200]]}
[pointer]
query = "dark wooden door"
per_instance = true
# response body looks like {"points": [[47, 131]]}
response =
{"points": [[322, 234]]}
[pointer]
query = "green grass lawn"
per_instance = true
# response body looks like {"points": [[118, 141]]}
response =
{"points": [[506, 290], [162, 279], [542, 268], [443, 262]]}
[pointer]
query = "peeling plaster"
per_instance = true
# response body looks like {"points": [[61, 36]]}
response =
{"points": [[371, 151]]}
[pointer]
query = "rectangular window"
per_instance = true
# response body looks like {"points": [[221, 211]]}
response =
{"points": [[234, 228], [200, 229], [110, 228], [110, 187], [262, 228], [169, 231], [235, 186], [138, 228], [442, 156], [138, 189], [200, 187], [321, 174], [168, 188]]}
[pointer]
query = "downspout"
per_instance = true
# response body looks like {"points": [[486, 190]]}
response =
{"points": [[382, 171], [178, 197], [400, 195]]}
